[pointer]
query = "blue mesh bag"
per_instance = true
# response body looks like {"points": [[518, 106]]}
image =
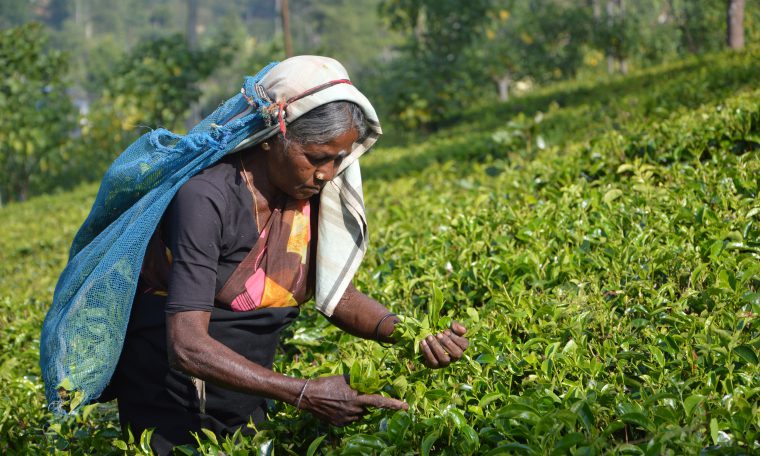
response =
{"points": [[85, 327]]}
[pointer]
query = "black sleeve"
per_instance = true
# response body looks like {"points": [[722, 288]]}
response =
{"points": [[193, 232]]}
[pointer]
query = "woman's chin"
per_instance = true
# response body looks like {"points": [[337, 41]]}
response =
{"points": [[304, 192]]}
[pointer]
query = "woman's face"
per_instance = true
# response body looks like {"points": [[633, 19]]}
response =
{"points": [[293, 170]]}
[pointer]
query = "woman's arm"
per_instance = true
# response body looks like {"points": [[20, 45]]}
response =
{"points": [[358, 314], [193, 351]]}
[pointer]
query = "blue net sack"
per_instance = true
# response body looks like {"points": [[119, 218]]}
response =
{"points": [[84, 330]]}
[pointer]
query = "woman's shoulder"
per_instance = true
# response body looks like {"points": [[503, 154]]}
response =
{"points": [[216, 181]]}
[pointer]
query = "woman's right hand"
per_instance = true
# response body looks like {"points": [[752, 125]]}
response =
{"points": [[331, 399]]}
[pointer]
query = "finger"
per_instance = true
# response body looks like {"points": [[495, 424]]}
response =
{"points": [[347, 415], [458, 329], [378, 401], [427, 355], [462, 342], [454, 351], [443, 358]]}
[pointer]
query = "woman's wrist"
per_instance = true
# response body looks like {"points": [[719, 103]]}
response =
{"points": [[301, 394], [360, 315], [385, 327], [283, 388]]}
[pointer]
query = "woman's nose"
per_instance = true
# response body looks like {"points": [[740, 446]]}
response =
{"points": [[326, 172]]}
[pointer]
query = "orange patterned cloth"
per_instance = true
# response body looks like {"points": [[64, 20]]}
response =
{"points": [[275, 272]]}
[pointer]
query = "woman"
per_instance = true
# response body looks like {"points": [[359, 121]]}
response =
{"points": [[238, 250]]}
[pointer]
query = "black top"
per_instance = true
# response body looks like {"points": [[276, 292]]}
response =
{"points": [[209, 228]]}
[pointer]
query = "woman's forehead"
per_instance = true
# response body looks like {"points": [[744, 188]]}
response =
{"points": [[344, 142]]}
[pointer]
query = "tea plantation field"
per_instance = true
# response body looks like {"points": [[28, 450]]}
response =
{"points": [[600, 239]]}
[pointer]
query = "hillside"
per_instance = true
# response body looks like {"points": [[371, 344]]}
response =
{"points": [[600, 239]]}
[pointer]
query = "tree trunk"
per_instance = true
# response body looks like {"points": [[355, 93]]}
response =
{"points": [[82, 18], [23, 191], [503, 84], [735, 23], [191, 27], [191, 38], [596, 8], [285, 11], [690, 43], [615, 56], [624, 66], [610, 8]]}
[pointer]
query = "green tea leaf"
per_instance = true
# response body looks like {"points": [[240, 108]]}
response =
{"points": [[428, 441], [315, 445], [639, 419], [76, 400], [612, 195], [210, 435], [747, 353], [584, 413], [366, 441], [488, 398], [435, 304], [469, 441], [473, 314], [714, 430], [398, 426], [456, 417]]}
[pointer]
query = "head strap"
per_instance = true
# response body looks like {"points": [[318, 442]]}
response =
{"points": [[283, 105]]}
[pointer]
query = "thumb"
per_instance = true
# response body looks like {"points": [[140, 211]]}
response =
{"points": [[376, 400]]}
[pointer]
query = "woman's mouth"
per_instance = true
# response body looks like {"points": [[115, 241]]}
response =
{"points": [[312, 190]]}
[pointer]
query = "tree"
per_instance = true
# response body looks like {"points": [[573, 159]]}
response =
{"points": [[646, 31], [14, 13], [352, 31], [735, 24], [617, 33], [541, 40], [154, 86], [434, 65], [38, 117], [699, 24]]}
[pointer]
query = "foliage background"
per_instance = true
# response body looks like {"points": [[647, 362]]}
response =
{"points": [[135, 65], [598, 232]]}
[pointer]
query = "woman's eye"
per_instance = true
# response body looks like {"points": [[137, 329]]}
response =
{"points": [[321, 160]]}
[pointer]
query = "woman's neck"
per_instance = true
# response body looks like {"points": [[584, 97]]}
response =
{"points": [[254, 162]]}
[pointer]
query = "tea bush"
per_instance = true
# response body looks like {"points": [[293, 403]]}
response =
{"points": [[602, 250]]}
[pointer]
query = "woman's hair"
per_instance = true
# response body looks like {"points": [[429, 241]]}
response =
{"points": [[326, 122]]}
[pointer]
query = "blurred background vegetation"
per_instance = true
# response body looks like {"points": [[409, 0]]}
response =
{"points": [[81, 79]]}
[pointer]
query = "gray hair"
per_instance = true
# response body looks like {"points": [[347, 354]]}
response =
{"points": [[325, 123]]}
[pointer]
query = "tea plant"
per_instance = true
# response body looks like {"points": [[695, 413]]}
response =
{"points": [[603, 252]]}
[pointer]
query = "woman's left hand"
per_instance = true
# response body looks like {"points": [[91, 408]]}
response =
{"points": [[441, 349]]}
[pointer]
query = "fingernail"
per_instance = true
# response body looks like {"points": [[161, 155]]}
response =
{"points": [[439, 336]]}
